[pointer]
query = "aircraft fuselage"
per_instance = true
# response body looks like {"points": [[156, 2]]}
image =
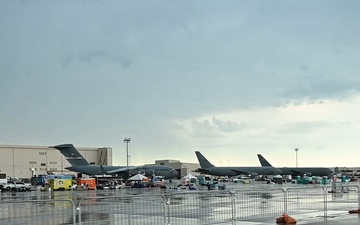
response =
{"points": [[234, 171], [309, 171], [92, 170]]}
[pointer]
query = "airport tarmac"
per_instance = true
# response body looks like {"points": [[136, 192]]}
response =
{"points": [[187, 207]]}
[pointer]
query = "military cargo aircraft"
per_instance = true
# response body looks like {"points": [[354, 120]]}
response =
{"points": [[80, 165], [298, 171], [208, 168]]}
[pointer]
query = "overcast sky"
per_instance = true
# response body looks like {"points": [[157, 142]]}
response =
{"points": [[228, 78]]}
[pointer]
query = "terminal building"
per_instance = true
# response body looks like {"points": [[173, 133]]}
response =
{"points": [[23, 161]]}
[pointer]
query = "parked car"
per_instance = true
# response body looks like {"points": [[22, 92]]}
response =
{"points": [[16, 186]]}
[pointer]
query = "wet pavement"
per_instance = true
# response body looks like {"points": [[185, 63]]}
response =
{"points": [[251, 205], [340, 219]]}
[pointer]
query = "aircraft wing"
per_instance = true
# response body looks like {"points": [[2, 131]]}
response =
{"points": [[201, 170], [300, 173], [239, 172], [120, 170], [204, 171]]}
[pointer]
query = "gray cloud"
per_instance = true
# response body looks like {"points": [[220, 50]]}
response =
{"points": [[203, 129], [306, 127], [165, 61], [322, 88], [92, 56], [226, 126], [213, 128]]}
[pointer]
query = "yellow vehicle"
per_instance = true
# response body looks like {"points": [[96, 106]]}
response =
{"points": [[60, 184]]}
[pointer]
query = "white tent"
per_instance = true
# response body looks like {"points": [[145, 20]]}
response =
{"points": [[189, 179], [189, 176], [139, 177]]}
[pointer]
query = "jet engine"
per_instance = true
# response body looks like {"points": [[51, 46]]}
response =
{"points": [[253, 175]]}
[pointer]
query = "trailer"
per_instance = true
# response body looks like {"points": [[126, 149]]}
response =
{"points": [[86, 183]]}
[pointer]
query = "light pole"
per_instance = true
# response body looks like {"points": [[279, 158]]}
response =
{"points": [[127, 141], [296, 151]]}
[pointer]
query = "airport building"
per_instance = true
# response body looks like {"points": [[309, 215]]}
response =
{"points": [[23, 161], [350, 171], [182, 168]]}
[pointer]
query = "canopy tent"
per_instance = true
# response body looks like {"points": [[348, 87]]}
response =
{"points": [[139, 177], [189, 179], [189, 176]]}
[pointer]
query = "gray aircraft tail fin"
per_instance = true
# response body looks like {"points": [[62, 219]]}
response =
{"points": [[337, 170], [72, 155], [204, 163], [263, 161]]}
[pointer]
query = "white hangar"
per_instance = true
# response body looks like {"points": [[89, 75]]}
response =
{"points": [[21, 160]]}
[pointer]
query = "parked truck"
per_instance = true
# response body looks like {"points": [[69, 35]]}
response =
{"points": [[60, 184]]}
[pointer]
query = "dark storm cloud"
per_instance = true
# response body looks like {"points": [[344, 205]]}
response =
{"points": [[334, 88], [128, 67]]}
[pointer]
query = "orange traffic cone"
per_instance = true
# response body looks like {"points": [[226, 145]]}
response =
{"points": [[285, 218], [354, 211], [280, 220], [289, 220]]}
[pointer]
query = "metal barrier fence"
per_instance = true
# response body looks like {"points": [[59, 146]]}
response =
{"points": [[345, 198], [305, 200], [123, 210], [178, 207], [37, 212], [210, 207], [258, 203]]}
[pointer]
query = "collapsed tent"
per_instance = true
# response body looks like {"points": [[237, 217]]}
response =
{"points": [[139, 177], [189, 179]]}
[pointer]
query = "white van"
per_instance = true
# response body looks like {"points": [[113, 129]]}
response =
{"points": [[3, 180]]}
